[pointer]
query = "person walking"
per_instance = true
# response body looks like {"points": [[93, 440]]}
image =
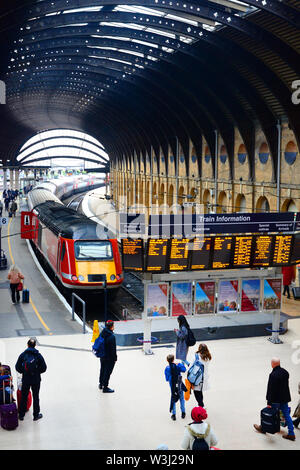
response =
{"points": [[204, 356], [31, 365], [173, 376], [278, 396], [15, 277], [297, 412], [13, 208], [198, 435], [288, 276], [181, 343], [107, 362], [1, 208]]}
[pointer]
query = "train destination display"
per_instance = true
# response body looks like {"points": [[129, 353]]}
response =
{"points": [[262, 251], [282, 250], [179, 254], [242, 252], [295, 255], [157, 251], [221, 258], [132, 254], [200, 256]]}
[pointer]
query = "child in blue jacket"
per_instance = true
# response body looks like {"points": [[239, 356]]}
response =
{"points": [[173, 376]]}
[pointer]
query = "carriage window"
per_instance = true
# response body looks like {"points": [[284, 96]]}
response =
{"points": [[88, 251], [63, 251]]}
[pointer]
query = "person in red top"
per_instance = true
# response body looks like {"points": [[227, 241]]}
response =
{"points": [[289, 276]]}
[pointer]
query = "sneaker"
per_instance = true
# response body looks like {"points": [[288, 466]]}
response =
{"points": [[258, 428], [108, 390], [39, 416], [183, 415], [290, 437], [173, 417]]}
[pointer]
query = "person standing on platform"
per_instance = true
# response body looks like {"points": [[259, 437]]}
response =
{"points": [[278, 396], [181, 344], [173, 376], [107, 362], [198, 435], [204, 357], [15, 277], [1, 208], [13, 208], [288, 276], [31, 365]]}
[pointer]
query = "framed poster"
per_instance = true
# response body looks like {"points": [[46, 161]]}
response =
{"points": [[181, 298], [157, 300], [250, 299], [272, 294], [204, 301], [228, 296]]}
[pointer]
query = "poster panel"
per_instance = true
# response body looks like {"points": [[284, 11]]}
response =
{"points": [[250, 301], [181, 303], [228, 296], [204, 301], [272, 294], [157, 300]]}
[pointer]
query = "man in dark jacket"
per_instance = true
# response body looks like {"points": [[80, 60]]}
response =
{"points": [[31, 365], [107, 362], [278, 396]]}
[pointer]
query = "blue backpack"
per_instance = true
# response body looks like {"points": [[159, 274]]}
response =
{"points": [[99, 347], [195, 373]]}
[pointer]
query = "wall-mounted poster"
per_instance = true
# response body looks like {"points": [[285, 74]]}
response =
{"points": [[272, 294], [157, 300], [250, 295], [228, 296], [204, 297], [181, 303]]}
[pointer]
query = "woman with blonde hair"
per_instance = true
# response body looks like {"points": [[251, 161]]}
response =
{"points": [[15, 277], [204, 356]]}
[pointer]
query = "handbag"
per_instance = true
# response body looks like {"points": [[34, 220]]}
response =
{"points": [[20, 286]]}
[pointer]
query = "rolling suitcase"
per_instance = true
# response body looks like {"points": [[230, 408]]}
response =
{"points": [[25, 296], [19, 395], [9, 413], [270, 420]]}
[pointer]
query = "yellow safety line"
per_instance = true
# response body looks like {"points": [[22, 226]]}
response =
{"points": [[13, 262]]}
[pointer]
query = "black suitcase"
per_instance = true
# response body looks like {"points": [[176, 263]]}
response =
{"points": [[296, 292], [25, 296], [270, 420]]}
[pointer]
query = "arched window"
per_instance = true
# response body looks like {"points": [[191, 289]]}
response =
{"points": [[240, 204], [290, 153], [262, 205]]}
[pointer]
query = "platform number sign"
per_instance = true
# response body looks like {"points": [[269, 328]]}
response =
{"points": [[3, 221]]}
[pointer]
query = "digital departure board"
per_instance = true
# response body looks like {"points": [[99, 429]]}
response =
{"points": [[201, 253], [262, 251], [133, 254], [157, 255], [282, 250], [179, 254], [295, 256], [242, 252], [222, 250]]}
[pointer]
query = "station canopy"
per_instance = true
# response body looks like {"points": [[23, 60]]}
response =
{"points": [[138, 73]]}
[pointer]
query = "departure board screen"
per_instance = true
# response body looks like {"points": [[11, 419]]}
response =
{"points": [[282, 250], [262, 251], [179, 254], [157, 255], [295, 256], [222, 252], [242, 252], [132, 254], [201, 253]]}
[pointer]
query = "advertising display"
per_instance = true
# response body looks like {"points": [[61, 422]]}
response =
{"points": [[157, 300], [272, 294], [250, 299], [228, 296], [181, 301], [204, 301]]}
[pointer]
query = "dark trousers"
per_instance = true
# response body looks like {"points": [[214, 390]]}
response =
{"points": [[106, 368], [35, 398], [14, 292], [199, 397], [286, 290]]}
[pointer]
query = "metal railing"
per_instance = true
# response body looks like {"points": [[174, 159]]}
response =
{"points": [[75, 296]]}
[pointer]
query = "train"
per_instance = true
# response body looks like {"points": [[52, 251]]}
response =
{"points": [[82, 254]]}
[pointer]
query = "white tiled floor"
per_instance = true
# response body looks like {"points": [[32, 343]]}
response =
{"points": [[78, 416]]}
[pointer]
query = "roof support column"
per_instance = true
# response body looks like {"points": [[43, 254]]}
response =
{"points": [[216, 169], [278, 165]]}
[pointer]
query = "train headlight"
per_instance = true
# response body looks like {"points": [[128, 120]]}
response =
{"points": [[74, 278], [80, 278], [112, 277]]}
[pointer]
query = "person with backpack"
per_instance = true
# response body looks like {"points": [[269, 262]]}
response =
{"points": [[204, 356], [198, 435], [185, 339], [105, 348], [173, 376], [31, 365]]}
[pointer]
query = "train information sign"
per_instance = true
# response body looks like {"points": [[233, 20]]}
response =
{"points": [[282, 250], [242, 252], [133, 254], [201, 253], [262, 251], [157, 255], [221, 258], [295, 255], [179, 254]]}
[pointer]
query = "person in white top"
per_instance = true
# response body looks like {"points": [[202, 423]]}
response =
{"points": [[204, 356], [198, 435]]}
